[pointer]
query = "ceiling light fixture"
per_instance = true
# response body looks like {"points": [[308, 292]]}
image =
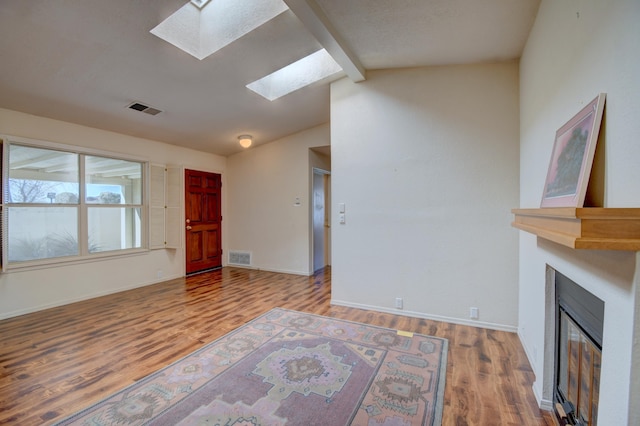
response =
{"points": [[245, 141]]}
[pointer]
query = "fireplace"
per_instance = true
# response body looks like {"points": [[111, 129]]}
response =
{"points": [[579, 328]]}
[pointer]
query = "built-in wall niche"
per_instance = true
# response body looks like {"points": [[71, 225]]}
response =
{"points": [[579, 320]]}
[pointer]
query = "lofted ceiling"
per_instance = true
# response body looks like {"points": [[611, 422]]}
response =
{"points": [[85, 61]]}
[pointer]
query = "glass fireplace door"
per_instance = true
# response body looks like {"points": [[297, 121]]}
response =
{"points": [[578, 373]]}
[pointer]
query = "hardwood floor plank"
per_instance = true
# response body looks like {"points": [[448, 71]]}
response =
{"points": [[57, 361]]}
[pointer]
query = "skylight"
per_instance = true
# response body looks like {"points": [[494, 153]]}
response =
{"points": [[310, 69], [201, 28]]}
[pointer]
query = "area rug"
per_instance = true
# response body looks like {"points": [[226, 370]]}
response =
{"points": [[290, 368]]}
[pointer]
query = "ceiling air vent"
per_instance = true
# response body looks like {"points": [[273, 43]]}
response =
{"points": [[144, 108]]}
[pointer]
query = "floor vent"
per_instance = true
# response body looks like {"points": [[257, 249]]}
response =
{"points": [[241, 258], [144, 108]]}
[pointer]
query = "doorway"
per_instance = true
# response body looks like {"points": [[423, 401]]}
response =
{"points": [[203, 221], [321, 218]]}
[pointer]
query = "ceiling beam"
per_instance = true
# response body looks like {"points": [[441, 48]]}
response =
{"points": [[316, 21]]}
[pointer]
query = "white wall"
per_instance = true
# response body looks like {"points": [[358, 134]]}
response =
{"points": [[28, 291], [263, 218], [426, 161], [575, 51]]}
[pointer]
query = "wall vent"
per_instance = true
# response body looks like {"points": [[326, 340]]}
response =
{"points": [[240, 258], [144, 108]]}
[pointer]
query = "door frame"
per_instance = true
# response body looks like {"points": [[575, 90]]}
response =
{"points": [[326, 177]]}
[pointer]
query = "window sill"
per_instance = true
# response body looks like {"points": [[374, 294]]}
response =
{"points": [[78, 260]]}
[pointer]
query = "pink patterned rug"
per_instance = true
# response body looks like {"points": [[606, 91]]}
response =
{"points": [[290, 368]]}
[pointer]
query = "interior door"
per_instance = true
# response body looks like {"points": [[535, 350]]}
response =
{"points": [[320, 218], [203, 221]]}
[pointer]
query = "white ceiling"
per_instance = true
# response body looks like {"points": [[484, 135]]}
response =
{"points": [[85, 61]]}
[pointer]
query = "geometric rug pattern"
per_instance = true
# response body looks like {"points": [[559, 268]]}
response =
{"points": [[290, 368]]}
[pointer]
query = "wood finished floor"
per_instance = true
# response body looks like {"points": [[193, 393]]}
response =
{"points": [[57, 361]]}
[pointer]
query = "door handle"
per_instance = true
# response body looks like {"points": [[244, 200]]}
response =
{"points": [[188, 228]]}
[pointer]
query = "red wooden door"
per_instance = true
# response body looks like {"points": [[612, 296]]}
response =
{"points": [[203, 234]]}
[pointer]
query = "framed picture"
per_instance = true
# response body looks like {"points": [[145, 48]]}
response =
{"points": [[572, 157]]}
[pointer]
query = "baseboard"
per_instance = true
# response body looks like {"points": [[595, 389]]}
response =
{"points": [[26, 311], [544, 404], [278, 271], [526, 352], [453, 320]]}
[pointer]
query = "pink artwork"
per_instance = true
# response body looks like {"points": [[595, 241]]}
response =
{"points": [[572, 157]]}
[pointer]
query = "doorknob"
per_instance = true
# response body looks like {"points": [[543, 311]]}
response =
{"points": [[188, 228], [188, 220]]}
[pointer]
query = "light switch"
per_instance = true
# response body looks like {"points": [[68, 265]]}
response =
{"points": [[341, 207], [342, 218]]}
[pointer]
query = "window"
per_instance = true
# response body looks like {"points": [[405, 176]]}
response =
{"points": [[68, 205]]}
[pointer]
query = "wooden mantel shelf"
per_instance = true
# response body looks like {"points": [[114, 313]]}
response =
{"points": [[593, 228]]}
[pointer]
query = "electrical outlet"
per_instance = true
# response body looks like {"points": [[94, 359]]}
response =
{"points": [[399, 302], [473, 313]]}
